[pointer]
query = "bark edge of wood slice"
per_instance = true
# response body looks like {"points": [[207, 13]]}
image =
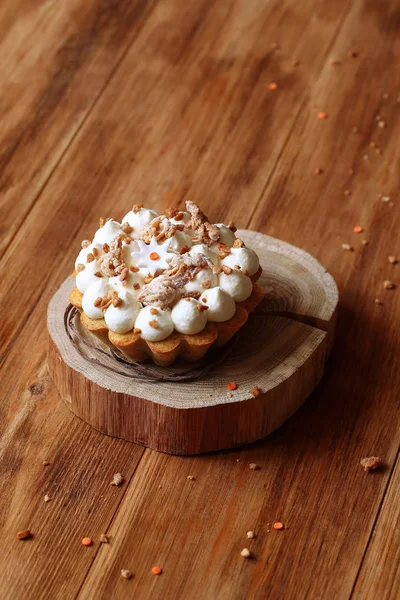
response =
{"points": [[282, 351]]}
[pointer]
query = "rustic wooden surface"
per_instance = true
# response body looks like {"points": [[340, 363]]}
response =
{"points": [[104, 103]]}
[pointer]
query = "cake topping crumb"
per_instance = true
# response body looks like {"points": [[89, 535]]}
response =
{"points": [[238, 243], [255, 391], [371, 463], [154, 324], [85, 243], [117, 480], [388, 285], [245, 553], [254, 467], [24, 534], [202, 307], [137, 207], [226, 270], [126, 574], [80, 267]]}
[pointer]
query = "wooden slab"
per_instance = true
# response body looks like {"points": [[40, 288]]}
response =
{"points": [[284, 357]]}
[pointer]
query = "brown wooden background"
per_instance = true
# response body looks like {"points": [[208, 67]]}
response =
{"points": [[104, 103]]}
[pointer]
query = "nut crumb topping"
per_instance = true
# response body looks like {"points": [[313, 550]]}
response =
{"points": [[202, 307], [136, 208], [137, 330], [226, 270], [154, 324], [89, 257], [136, 286], [153, 311], [98, 274], [206, 284], [371, 463], [106, 248], [85, 243], [255, 391], [101, 221], [80, 267], [98, 301], [238, 243], [126, 228], [134, 269]]}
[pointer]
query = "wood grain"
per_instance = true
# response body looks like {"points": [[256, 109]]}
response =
{"points": [[54, 66], [189, 112]]}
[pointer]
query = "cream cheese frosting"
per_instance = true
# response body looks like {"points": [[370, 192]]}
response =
{"points": [[154, 274]]}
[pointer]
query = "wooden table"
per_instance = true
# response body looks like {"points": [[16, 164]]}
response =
{"points": [[105, 103]]}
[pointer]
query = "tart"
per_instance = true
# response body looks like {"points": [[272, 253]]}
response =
{"points": [[165, 286]]}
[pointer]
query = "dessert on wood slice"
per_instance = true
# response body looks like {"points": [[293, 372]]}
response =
{"points": [[278, 361]]}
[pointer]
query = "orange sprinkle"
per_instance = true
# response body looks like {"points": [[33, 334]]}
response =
{"points": [[156, 570], [358, 229], [154, 256], [278, 526], [273, 86], [322, 115], [87, 541], [232, 385]]}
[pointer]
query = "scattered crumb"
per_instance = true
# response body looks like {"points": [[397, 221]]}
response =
{"points": [[278, 526], [251, 535], [104, 538], [365, 242], [381, 124], [358, 229], [365, 157], [347, 192], [232, 385], [388, 285], [377, 301], [245, 553], [126, 574], [318, 171], [273, 86], [386, 198], [355, 130], [117, 479], [347, 247], [191, 478], [322, 115], [254, 467], [255, 391], [87, 541], [47, 498], [45, 463], [353, 54], [156, 570], [238, 460], [392, 260], [24, 534], [371, 463]]}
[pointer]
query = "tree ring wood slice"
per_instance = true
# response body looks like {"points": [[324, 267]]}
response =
{"points": [[283, 352]]}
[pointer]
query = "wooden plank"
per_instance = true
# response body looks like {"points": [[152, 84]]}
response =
{"points": [[159, 154], [310, 477], [55, 63], [49, 232], [379, 574], [82, 465]]}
